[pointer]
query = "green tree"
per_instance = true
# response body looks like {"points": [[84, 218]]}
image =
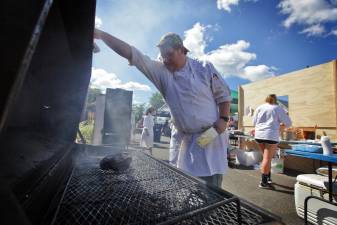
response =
{"points": [[138, 110], [87, 129], [157, 100]]}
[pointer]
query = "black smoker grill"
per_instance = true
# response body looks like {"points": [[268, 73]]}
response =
{"points": [[48, 179], [149, 192]]}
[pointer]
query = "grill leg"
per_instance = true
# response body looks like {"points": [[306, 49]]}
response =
{"points": [[238, 211], [330, 181]]}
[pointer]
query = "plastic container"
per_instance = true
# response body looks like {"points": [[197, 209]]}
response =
{"points": [[326, 145], [277, 165]]}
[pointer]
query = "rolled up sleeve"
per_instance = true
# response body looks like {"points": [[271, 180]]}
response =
{"points": [[220, 89], [283, 117], [152, 69]]}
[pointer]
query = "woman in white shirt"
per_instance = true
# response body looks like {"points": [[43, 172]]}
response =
{"points": [[147, 133], [267, 120]]}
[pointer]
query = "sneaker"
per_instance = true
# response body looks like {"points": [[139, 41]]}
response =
{"points": [[264, 186], [269, 180]]}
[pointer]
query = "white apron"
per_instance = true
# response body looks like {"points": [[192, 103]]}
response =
{"points": [[190, 156]]}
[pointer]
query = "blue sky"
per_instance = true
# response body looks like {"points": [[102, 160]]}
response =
{"points": [[246, 40]]}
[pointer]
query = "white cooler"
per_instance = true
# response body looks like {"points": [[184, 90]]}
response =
{"points": [[319, 212]]}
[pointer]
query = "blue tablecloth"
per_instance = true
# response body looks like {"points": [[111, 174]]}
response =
{"points": [[318, 156], [284, 141]]}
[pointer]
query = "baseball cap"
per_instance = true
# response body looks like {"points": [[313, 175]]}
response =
{"points": [[172, 40]]}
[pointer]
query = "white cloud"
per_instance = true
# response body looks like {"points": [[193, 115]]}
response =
{"points": [[229, 59], [258, 72], [226, 4], [312, 14], [98, 22], [314, 30], [334, 32], [102, 79], [194, 40]]}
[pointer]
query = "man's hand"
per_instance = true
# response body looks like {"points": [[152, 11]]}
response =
{"points": [[98, 33], [120, 47], [220, 125]]}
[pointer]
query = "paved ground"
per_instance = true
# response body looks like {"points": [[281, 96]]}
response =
{"points": [[243, 182]]}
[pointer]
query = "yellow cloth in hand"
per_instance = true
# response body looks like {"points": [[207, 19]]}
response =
{"points": [[207, 137]]}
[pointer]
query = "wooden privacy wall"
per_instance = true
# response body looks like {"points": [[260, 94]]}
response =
{"points": [[311, 93]]}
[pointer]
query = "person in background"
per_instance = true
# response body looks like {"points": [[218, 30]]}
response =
{"points": [[267, 120], [146, 140], [231, 124], [165, 130], [198, 98]]}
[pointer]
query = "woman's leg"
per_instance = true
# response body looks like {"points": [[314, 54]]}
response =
{"points": [[262, 147], [268, 154]]}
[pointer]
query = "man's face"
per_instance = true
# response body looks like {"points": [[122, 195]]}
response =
{"points": [[171, 57]]}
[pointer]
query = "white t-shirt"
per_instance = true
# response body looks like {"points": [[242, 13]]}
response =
{"points": [[267, 119]]}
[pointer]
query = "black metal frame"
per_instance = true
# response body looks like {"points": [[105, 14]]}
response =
{"points": [[306, 205], [251, 206], [207, 208], [329, 170], [25, 62], [202, 211], [45, 77]]}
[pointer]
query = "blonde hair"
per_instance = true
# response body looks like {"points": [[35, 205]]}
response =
{"points": [[271, 99]]}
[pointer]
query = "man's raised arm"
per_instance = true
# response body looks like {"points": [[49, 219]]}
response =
{"points": [[120, 47]]}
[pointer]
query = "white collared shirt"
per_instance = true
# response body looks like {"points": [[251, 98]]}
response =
{"points": [[192, 94]]}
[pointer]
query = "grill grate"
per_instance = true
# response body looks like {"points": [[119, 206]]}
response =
{"points": [[224, 214], [149, 192]]}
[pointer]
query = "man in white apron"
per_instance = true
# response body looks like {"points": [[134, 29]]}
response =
{"points": [[198, 98]]}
